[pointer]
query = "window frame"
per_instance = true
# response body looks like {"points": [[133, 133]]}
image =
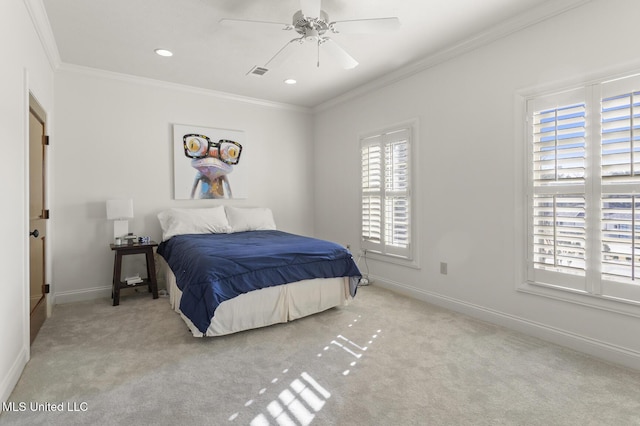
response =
{"points": [[592, 295], [411, 259]]}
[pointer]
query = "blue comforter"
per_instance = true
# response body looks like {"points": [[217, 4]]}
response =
{"points": [[212, 268]]}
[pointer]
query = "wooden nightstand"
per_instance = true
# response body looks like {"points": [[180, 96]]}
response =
{"points": [[126, 249]]}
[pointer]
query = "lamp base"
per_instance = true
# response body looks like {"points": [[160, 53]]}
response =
{"points": [[120, 228]]}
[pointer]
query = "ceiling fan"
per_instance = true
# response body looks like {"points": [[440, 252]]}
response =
{"points": [[312, 24]]}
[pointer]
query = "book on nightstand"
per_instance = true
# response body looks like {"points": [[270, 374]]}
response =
{"points": [[133, 280]]}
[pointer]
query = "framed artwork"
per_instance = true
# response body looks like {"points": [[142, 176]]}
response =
{"points": [[207, 163]]}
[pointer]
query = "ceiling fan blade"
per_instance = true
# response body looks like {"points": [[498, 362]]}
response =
{"points": [[363, 26], [283, 54], [341, 55], [310, 8], [245, 23]]}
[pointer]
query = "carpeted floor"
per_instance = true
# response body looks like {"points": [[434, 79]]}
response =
{"points": [[384, 360]]}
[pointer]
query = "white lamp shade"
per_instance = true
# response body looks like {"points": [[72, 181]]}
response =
{"points": [[119, 209]]}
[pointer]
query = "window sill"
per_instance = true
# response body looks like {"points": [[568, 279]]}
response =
{"points": [[619, 306]]}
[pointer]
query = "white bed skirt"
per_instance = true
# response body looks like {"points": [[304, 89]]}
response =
{"points": [[266, 306]]}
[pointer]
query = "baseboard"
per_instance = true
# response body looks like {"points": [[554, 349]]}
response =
{"points": [[81, 295], [599, 349], [11, 379]]}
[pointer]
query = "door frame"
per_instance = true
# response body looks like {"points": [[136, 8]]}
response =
{"points": [[32, 103]]}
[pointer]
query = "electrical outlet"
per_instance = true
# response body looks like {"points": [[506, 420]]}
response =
{"points": [[443, 268]]}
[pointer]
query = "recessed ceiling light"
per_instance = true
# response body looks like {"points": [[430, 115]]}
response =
{"points": [[290, 81], [164, 52]]}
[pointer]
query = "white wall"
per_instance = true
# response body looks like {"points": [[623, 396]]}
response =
{"points": [[24, 67], [114, 140], [468, 172]]}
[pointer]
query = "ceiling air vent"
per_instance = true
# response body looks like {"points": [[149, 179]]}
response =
{"points": [[258, 71]]}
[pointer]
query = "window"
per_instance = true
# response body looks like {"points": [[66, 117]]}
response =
{"points": [[386, 193], [584, 190]]}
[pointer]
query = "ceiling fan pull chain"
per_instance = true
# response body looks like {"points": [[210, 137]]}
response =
{"points": [[318, 64]]}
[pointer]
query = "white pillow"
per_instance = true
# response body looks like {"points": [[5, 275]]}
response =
{"points": [[211, 220], [250, 219]]}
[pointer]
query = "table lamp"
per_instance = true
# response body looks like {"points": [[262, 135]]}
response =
{"points": [[119, 211]]}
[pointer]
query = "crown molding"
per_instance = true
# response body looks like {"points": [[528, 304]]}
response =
{"points": [[539, 14], [40, 20]]}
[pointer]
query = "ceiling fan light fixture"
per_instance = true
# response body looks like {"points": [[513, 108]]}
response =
{"points": [[312, 23], [312, 35], [290, 81], [163, 52]]}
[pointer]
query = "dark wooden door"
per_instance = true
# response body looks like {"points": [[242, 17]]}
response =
{"points": [[38, 215]]}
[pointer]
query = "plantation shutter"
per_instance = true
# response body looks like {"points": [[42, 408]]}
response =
{"points": [[386, 195], [620, 202], [621, 137], [559, 144], [372, 190], [557, 248], [397, 208]]}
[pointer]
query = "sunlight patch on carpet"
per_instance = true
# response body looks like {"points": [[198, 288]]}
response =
{"points": [[299, 402]]}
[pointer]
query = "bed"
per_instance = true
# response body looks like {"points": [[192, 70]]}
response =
{"points": [[228, 269]]}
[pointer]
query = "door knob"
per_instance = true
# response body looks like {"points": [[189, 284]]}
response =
{"points": [[35, 233]]}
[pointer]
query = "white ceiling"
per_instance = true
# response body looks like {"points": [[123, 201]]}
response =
{"points": [[121, 35]]}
